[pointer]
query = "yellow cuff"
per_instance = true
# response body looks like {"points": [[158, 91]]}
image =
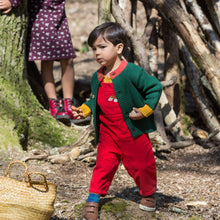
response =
{"points": [[86, 110], [146, 110]]}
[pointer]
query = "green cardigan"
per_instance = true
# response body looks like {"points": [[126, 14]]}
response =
{"points": [[133, 88]]}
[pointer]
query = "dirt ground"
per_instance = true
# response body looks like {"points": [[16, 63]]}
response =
{"points": [[188, 186], [188, 179]]}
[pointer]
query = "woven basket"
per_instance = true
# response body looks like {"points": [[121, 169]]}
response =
{"points": [[27, 199]]}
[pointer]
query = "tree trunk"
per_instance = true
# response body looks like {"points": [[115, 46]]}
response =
{"points": [[104, 11], [129, 8], [205, 24], [172, 67], [24, 121], [126, 8], [204, 59], [213, 7], [205, 110], [138, 46], [151, 38]]}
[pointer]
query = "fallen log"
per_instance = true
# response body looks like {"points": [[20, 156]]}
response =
{"points": [[182, 144], [87, 155], [198, 133]]}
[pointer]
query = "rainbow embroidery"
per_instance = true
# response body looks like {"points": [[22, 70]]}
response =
{"points": [[112, 98]]}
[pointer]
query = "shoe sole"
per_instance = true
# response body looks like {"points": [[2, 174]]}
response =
{"points": [[146, 208], [64, 119], [60, 117], [81, 121]]}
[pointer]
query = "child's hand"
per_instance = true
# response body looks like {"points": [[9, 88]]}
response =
{"points": [[136, 114], [77, 113], [5, 6]]}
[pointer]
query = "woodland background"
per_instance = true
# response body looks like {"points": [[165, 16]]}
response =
{"points": [[178, 42]]}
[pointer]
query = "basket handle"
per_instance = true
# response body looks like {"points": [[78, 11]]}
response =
{"points": [[44, 182], [23, 163]]}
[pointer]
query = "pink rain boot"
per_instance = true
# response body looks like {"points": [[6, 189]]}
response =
{"points": [[57, 112], [67, 103]]}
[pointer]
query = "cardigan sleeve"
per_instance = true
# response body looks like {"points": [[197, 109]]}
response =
{"points": [[15, 3], [150, 88]]}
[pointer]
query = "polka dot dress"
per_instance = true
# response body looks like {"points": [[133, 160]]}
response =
{"points": [[48, 36]]}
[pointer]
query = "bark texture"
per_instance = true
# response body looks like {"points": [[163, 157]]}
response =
{"points": [[208, 63], [201, 100], [172, 67], [104, 8]]}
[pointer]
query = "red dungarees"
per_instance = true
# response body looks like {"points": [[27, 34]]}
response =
{"points": [[117, 144]]}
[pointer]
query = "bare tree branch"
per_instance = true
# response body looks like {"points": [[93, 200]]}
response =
{"points": [[199, 96], [208, 63]]}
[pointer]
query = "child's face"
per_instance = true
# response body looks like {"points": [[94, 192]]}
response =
{"points": [[107, 54]]}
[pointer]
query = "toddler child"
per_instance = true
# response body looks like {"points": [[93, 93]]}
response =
{"points": [[122, 102]]}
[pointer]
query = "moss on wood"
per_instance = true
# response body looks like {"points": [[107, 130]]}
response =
{"points": [[23, 119]]}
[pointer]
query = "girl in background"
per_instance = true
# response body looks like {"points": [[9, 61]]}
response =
{"points": [[49, 40]]}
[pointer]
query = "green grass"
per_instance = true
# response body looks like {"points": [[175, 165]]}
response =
{"points": [[116, 208]]}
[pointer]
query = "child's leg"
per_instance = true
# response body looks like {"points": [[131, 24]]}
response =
{"points": [[48, 79], [140, 164], [138, 159], [108, 158], [49, 87], [68, 76], [68, 85]]}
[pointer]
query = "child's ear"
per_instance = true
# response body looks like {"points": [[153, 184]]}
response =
{"points": [[119, 48]]}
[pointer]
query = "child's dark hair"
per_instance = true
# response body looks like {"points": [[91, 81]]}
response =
{"points": [[110, 31]]}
